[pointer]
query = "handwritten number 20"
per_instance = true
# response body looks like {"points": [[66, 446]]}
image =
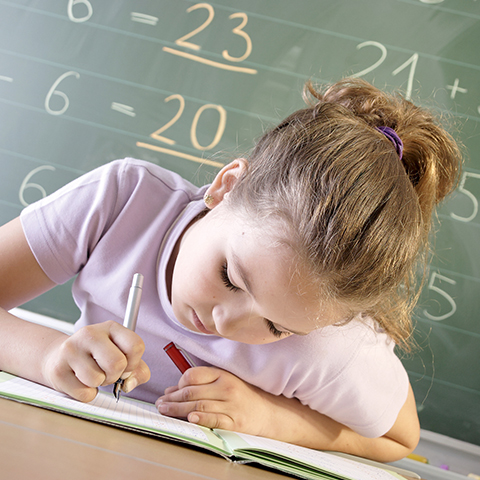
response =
{"points": [[193, 130]]}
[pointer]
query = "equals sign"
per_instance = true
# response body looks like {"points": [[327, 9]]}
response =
{"points": [[143, 18], [126, 109]]}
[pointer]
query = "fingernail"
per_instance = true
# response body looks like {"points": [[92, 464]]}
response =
{"points": [[129, 384], [194, 418], [162, 408]]}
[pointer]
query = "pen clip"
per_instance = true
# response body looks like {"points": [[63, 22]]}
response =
{"points": [[180, 358], [187, 357]]}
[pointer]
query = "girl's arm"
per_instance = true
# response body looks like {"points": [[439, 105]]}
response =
{"points": [[318, 431], [218, 399], [21, 278], [77, 365]]}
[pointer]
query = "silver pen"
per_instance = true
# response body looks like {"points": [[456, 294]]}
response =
{"points": [[130, 319]]}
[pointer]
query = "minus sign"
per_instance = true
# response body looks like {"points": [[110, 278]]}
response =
{"points": [[6, 79]]}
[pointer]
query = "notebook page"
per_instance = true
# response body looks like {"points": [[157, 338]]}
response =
{"points": [[321, 460], [127, 411]]}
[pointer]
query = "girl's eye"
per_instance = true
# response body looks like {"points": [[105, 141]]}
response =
{"points": [[226, 280], [275, 331]]}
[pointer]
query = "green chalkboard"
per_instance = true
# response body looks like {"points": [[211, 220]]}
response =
{"points": [[190, 85]]}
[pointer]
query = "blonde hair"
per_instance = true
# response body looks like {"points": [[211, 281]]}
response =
{"points": [[357, 215]]}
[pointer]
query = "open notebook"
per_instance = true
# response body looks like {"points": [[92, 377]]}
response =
{"points": [[144, 417]]}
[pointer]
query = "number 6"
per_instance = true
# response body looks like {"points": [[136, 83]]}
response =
{"points": [[53, 91], [25, 184]]}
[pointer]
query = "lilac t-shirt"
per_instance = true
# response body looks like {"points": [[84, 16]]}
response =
{"points": [[125, 218]]}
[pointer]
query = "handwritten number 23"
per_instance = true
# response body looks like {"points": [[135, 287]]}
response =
{"points": [[182, 41]]}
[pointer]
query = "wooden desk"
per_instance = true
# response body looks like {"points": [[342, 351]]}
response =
{"points": [[40, 444]]}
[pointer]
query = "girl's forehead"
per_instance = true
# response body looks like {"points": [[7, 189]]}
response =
{"points": [[274, 270], [271, 272]]}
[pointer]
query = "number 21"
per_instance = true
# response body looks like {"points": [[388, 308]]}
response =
{"points": [[412, 61]]}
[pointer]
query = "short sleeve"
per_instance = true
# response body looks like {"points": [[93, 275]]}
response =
{"points": [[358, 380], [103, 211], [63, 228]]}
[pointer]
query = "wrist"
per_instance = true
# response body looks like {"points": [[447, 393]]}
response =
{"points": [[288, 420], [270, 423], [282, 418], [50, 365], [24, 346]]}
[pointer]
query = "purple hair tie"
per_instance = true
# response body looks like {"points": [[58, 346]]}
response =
{"points": [[391, 134]]}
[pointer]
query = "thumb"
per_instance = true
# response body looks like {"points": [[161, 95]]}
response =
{"points": [[140, 375]]}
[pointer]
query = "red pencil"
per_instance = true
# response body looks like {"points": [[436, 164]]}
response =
{"points": [[177, 357]]}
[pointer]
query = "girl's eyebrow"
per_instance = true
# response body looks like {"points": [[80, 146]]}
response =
{"points": [[243, 275]]}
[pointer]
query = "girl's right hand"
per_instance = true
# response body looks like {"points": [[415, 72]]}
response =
{"points": [[96, 355]]}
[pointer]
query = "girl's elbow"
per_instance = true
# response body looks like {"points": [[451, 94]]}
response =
{"points": [[412, 439]]}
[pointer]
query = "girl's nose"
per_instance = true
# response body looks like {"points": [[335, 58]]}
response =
{"points": [[230, 320]]}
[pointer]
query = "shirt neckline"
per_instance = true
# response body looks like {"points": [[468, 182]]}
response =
{"points": [[165, 250]]}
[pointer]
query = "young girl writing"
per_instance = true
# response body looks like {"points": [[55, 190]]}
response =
{"points": [[288, 280]]}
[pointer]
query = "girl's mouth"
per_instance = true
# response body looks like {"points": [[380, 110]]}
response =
{"points": [[199, 325]]}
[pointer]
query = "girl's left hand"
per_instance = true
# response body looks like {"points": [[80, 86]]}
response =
{"points": [[215, 398]]}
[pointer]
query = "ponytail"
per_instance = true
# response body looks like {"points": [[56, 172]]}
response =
{"points": [[357, 214]]}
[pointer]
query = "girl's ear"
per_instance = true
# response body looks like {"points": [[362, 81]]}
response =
{"points": [[224, 182]]}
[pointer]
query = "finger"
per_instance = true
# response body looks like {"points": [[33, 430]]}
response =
{"points": [[76, 354], [94, 343], [184, 409], [129, 343], [87, 371], [109, 359], [170, 389], [167, 391], [199, 376], [116, 350], [64, 380], [79, 391], [139, 376], [212, 420], [193, 393]]}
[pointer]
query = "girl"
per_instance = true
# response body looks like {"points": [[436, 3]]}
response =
{"points": [[288, 279]]}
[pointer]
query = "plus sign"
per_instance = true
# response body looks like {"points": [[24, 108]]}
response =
{"points": [[455, 88]]}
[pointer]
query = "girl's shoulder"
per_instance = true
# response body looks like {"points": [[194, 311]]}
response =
{"points": [[351, 373], [133, 170]]}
